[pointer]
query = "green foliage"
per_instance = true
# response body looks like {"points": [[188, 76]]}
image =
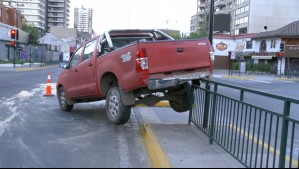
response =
{"points": [[34, 33], [261, 67], [236, 66], [176, 36], [16, 61]]}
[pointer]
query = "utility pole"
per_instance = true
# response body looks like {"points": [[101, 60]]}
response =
{"points": [[211, 27]]}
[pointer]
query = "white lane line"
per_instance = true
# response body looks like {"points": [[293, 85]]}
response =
{"points": [[260, 81], [288, 81]]}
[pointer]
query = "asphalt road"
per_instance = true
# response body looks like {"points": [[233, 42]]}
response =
{"points": [[34, 132]]}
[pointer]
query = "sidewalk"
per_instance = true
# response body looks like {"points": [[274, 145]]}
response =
{"points": [[185, 146], [22, 67], [222, 73]]}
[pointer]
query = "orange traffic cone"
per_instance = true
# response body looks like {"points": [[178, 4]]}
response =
{"points": [[49, 88]]}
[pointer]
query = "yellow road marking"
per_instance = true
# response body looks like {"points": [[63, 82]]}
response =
{"points": [[157, 154], [272, 149]]}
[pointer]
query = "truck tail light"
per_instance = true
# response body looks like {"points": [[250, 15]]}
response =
{"points": [[212, 57], [141, 61]]}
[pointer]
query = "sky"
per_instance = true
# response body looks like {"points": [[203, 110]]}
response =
{"points": [[138, 14]]}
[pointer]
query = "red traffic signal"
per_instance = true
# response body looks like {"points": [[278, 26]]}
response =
{"points": [[14, 34], [13, 43], [280, 54]]}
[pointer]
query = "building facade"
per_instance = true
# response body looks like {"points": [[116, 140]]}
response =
{"points": [[83, 19], [10, 16], [58, 14], [33, 11], [262, 48], [43, 14], [253, 16]]}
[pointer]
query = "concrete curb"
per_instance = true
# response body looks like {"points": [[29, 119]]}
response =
{"points": [[286, 79], [237, 77], [34, 68], [157, 154]]}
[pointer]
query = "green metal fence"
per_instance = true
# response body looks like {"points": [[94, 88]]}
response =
{"points": [[255, 135]]}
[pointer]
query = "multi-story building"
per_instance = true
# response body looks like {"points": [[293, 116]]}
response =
{"points": [[43, 13], [10, 16], [252, 16], [58, 13], [83, 19], [34, 11]]}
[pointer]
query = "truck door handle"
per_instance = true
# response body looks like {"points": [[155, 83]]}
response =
{"points": [[90, 64], [180, 50]]}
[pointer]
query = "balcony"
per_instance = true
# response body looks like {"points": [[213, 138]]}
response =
{"points": [[201, 12], [202, 5], [55, 21], [220, 4], [56, 5]]}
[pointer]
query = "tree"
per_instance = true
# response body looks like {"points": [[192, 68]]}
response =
{"points": [[203, 30], [34, 33]]}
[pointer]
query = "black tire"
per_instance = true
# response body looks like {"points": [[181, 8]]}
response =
{"points": [[63, 101], [181, 103], [117, 113]]}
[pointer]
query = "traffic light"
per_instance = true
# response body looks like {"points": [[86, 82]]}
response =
{"points": [[281, 49], [13, 43], [280, 54], [14, 34]]}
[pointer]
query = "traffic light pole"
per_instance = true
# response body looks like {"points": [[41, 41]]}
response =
{"points": [[14, 58], [211, 27]]}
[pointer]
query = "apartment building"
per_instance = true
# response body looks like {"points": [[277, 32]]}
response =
{"points": [[43, 13], [58, 14], [251, 16], [83, 19]]}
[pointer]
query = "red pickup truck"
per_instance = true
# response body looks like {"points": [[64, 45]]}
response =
{"points": [[129, 67]]}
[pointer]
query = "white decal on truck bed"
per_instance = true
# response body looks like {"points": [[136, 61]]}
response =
{"points": [[126, 57]]}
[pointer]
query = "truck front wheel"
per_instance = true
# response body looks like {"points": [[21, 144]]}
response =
{"points": [[181, 101], [117, 113], [63, 100]]}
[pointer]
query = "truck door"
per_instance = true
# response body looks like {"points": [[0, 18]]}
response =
{"points": [[72, 81], [86, 70]]}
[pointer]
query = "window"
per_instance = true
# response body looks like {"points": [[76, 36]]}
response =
{"points": [[249, 45], [89, 49], [273, 43], [263, 46], [76, 58]]}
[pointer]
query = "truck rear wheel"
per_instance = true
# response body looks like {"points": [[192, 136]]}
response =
{"points": [[117, 113], [181, 101], [63, 101]]}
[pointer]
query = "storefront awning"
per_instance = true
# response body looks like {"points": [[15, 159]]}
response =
{"points": [[262, 57]]}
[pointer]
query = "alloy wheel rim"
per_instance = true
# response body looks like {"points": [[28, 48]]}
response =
{"points": [[114, 106], [62, 99]]}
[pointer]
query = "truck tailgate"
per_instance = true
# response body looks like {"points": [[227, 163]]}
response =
{"points": [[169, 56]]}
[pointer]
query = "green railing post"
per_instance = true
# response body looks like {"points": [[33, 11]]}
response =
{"points": [[191, 104], [213, 114], [207, 106], [284, 134]]}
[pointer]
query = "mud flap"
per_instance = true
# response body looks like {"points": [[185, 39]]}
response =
{"points": [[127, 98]]}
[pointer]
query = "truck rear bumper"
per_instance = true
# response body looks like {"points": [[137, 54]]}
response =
{"points": [[176, 80]]}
